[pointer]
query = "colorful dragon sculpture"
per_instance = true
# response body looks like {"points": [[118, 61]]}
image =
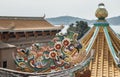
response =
{"points": [[60, 54]]}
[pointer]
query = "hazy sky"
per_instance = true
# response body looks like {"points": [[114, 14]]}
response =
{"points": [[53, 8]]}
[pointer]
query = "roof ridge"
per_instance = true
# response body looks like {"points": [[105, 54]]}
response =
{"points": [[21, 18]]}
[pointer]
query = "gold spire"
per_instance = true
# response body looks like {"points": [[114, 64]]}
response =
{"points": [[101, 12]]}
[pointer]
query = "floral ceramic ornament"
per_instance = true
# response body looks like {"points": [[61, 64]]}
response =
{"points": [[58, 46], [53, 55], [58, 55], [66, 42]]}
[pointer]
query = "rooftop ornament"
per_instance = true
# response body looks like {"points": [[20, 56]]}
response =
{"points": [[60, 54], [101, 12]]}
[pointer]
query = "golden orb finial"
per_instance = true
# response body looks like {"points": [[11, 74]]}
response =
{"points": [[101, 12]]}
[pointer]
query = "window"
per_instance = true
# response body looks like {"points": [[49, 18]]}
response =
{"points": [[5, 35], [39, 33], [0, 63], [47, 32], [21, 34], [31, 34], [4, 64], [12, 35]]}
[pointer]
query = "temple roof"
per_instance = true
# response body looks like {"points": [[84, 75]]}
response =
{"points": [[25, 23], [5, 45], [106, 45]]}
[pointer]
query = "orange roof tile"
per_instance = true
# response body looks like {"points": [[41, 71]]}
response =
{"points": [[25, 23]]}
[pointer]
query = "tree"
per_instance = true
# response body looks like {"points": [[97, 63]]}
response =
{"points": [[80, 27]]}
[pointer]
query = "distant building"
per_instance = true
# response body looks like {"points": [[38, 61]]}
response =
{"points": [[22, 31], [26, 30]]}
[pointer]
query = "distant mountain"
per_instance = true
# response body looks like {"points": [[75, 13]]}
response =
{"points": [[114, 20], [66, 20]]}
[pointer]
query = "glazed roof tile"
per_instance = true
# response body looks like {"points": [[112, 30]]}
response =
{"points": [[25, 23]]}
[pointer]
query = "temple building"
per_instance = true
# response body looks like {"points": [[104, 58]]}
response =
{"points": [[24, 31]]}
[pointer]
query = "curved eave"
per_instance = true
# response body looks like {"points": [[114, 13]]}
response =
{"points": [[113, 33], [79, 66], [32, 29], [6, 45]]}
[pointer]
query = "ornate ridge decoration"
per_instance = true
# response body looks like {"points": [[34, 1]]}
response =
{"points": [[61, 53]]}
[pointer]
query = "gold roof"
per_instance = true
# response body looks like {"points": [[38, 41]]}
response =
{"points": [[105, 60], [103, 63]]}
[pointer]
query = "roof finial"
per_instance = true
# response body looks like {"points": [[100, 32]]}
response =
{"points": [[101, 4], [44, 16], [101, 12]]}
